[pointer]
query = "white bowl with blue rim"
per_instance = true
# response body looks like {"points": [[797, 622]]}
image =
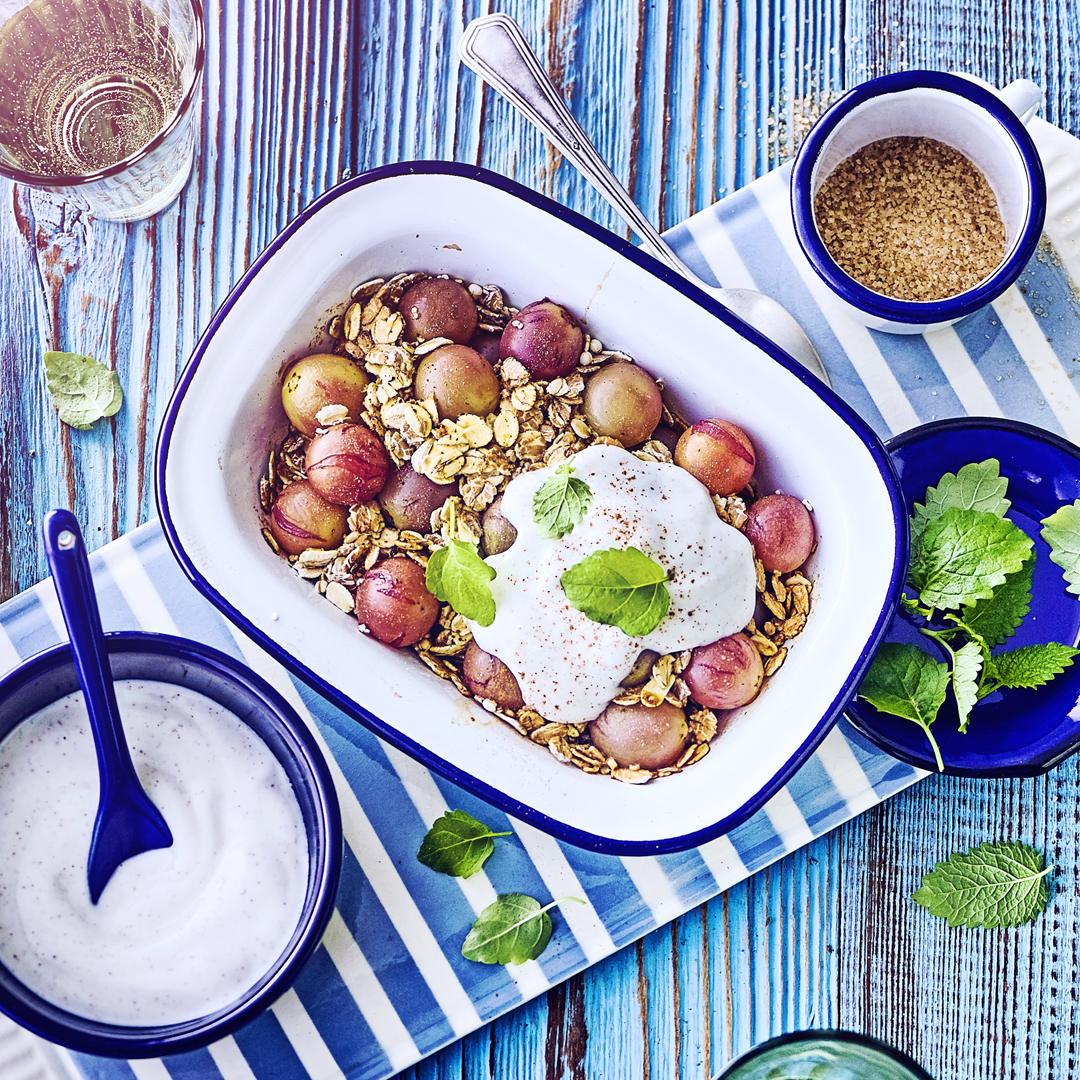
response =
{"points": [[226, 415], [984, 124]]}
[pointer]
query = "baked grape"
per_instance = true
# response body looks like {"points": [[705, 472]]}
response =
{"points": [[498, 532], [438, 307], [410, 498], [622, 402], [393, 602], [316, 381], [460, 380], [725, 674], [301, 518], [640, 735], [347, 464], [719, 454], [488, 677], [545, 337], [780, 528]]}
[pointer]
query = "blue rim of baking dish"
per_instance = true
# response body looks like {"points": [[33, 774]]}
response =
{"points": [[561, 830], [281, 729], [912, 311]]}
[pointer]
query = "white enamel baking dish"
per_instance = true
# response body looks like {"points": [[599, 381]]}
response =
{"points": [[448, 218]]}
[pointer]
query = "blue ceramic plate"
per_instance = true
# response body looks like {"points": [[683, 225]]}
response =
{"points": [[1011, 732]]}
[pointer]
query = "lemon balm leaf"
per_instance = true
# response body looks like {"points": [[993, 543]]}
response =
{"points": [[1061, 530], [513, 929], [83, 389], [620, 587], [964, 555], [1029, 666], [457, 844], [993, 885], [978, 486], [459, 577], [560, 503], [999, 617], [967, 663]]}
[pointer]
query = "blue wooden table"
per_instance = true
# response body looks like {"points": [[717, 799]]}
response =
{"points": [[689, 101]]}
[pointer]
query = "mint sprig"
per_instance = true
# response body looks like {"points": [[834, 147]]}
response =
{"points": [[513, 929], [457, 844], [620, 587], [560, 503], [971, 569], [995, 884], [459, 577], [83, 389]]}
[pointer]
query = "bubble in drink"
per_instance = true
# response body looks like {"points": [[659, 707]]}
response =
{"points": [[86, 84]]}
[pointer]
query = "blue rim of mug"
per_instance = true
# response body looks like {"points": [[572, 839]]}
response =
{"points": [[187, 102], [915, 311], [793, 1038]]}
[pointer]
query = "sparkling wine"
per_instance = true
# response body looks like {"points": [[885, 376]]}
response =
{"points": [[84, 84]]}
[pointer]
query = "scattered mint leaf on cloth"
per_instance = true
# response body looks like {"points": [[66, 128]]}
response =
{"points": [[1061, 530], [619, 587], [997, 618], [967, 663], [995, 884], [1029, 666], [963, 555], [459, 577], [83, 389], [561, 502], [907, 682], [513, 929], [457, 844]]}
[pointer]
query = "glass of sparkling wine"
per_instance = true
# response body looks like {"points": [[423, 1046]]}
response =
{"points": [[99, 100], [824, 1055]]}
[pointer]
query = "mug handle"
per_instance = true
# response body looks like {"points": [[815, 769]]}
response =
{"points": [[1023, 96]]}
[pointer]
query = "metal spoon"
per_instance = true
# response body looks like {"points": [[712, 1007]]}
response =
{"points": [[496, 49], [127, 822]]}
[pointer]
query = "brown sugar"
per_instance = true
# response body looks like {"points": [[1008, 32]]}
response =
{"points": [[911, 218]]}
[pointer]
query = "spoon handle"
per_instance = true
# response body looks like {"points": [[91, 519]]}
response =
{"points": [[496, 49], [66, 555]]}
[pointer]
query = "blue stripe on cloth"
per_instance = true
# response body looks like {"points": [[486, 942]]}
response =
{"points": [[818, 801], [917, 371], [1053, 300], [757, 842], [689, 876], [1002, 368], [509, 869], [26, 624], [338, 1020], [611, 892], [377, 937], [98, 1068], [268, 1050], [401, 829], [194, 1065], [886, 774]]}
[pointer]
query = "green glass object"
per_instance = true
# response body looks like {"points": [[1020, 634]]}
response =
{"points": [[824, 1055]]}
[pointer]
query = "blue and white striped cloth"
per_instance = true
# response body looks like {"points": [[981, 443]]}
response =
{"points": [[388, 984]]}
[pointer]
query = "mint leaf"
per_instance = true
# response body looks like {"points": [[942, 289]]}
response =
{"points": [[998, 617], [967, 663], [83, 389], [963, 555], [906, 682], [1029, 666], [561, 502], [993, 885], [619, 587], [513, 929], [458, 576], [457, 844], [1062, 532]]}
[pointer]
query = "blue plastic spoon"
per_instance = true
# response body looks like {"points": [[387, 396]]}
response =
{"points": [[127, 823]]}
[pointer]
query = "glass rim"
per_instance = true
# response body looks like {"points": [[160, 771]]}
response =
{"points": [[825, 1034], [61, 180]]}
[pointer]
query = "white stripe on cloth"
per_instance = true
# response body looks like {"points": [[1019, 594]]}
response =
{"points": [[304, 1037], [787, 819], [959, 368]]}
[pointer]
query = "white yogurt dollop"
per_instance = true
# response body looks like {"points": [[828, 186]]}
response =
{"points": [[177, 933], [569, 667]]}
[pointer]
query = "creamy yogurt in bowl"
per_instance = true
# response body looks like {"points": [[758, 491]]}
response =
{"points": [[189, 942]]}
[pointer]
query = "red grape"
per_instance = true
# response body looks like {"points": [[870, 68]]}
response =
{"points": [[719, 454], [622, 402], [488, 677], [410, 498], [639, 735], [780, 528], [316, 381], [393, 602], [347, 464], [301, 518], [725, 674], [460, 380], [545, 337], [438, 307]]}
